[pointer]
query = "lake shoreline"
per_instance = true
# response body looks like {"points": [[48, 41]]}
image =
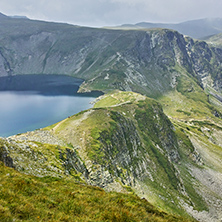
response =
{"points": [[45, 84], [31, 102]]}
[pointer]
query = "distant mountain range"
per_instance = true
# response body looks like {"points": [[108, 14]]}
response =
{"points": [[198, 29], [19, 17], [3, 16]]}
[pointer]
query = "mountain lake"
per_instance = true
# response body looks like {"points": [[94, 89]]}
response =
{"points": [[30, 102]]}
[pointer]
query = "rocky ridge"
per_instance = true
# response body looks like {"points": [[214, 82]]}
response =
{"points": [[130, 147], [147, 61]]}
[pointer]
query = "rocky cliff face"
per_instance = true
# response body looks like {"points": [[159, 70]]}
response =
{"points": [[149, 62], [130, 146]]}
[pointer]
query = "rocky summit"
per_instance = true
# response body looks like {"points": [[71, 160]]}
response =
{"points": [[155, 134]]}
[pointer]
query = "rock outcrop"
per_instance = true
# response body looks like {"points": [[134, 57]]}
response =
{"points": [[150, 62], [130, 146]]}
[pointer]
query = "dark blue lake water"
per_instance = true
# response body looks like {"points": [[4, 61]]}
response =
{"points": [[24, 110]]}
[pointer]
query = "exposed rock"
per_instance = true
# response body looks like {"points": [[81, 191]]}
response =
{"points": [[4, 155], [149, 62], [72, 161], [131, 147], [41, 136]]}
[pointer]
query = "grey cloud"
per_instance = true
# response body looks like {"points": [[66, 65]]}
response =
{"points": [[112, 12]]}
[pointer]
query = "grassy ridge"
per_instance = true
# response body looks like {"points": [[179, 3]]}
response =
{"points": [[131, 136], [27, 198], [123, 136]]}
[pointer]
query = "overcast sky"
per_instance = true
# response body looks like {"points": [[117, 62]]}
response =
{"points": [[113, 12]]}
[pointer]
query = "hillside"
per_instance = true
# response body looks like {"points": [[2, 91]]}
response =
{"points": [[150, 62], [53, 199], [127, 144]]}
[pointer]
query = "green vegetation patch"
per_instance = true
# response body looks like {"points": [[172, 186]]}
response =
{"points": [[185, 112], [117, 98], [95, 151], [153, 122], [156, 127], [188, 87], [28, 198]]}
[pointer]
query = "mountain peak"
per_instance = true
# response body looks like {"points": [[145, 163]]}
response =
{"points": [[19, 17]]}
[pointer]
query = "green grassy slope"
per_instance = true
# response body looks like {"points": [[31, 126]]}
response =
{"points": [[27, 198], [127, 144], [125, 139]]}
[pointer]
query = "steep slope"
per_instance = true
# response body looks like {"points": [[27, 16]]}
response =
{"points": [[53, 199], [145, 61], [127, 144]]}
